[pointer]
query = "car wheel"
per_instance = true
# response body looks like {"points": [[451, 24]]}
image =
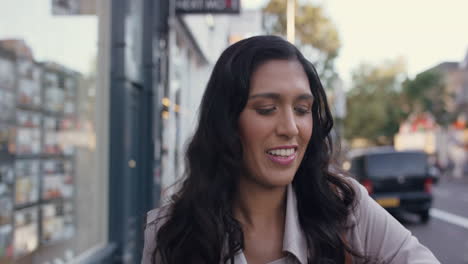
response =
{"points": [[424, 215]]}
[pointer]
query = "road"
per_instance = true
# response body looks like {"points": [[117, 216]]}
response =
{"points": [[446, 234]]}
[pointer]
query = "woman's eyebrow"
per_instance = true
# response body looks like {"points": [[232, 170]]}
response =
{"points": [[265, 95], [305, 97], [276, 96]]}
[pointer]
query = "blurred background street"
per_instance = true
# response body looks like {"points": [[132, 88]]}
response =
{"points": [[446, 234], [98, 99]]}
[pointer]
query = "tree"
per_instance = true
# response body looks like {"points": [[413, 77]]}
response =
{"points": [[316, 35], [373, 102], [427, 93]]}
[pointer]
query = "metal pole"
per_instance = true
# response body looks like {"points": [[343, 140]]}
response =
{"points": [[291, 13]]}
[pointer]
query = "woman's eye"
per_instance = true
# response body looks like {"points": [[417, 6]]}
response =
{"points": [[265, 111], [302, 110]]}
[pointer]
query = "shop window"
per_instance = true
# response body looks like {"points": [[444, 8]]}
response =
{"points": [[51, 199]]}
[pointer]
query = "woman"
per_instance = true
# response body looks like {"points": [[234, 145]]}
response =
{"points": [[258, 186]]}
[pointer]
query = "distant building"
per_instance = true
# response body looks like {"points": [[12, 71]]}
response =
{"points": [[455, 76]]}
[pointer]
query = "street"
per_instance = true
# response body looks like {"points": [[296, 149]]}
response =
{"points": [[446, 234]]}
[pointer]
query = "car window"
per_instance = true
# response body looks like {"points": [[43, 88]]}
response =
{"points": [[396, 164]]}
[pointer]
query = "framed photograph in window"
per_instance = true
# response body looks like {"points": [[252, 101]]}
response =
{"points": [[28, 118], [26, 231], [27, 181], [57, 179], [29, 84], [51, 140], [57, 221], [7, 140], [28, 141]]}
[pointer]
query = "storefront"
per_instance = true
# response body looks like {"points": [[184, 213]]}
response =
{"points": [[78, 85]]}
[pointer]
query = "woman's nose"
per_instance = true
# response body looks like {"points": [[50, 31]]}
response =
{"points": [[287, 124]]}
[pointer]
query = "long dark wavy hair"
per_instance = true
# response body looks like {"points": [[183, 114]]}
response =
{"points": [[199, 226]]}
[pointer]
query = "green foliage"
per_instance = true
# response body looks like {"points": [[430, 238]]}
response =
{"points": [[373, 110], [316, 35], [427, 93]]}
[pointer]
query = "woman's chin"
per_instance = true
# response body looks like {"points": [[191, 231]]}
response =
{"points": [[276, 180]]}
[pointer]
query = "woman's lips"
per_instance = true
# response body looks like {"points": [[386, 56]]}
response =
{"points": [[281, 160]]}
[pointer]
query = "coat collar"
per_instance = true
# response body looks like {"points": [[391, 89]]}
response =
{"points": [[294, 240]]}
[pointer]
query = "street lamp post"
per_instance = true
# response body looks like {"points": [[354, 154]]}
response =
{"points": [[290, 18]]}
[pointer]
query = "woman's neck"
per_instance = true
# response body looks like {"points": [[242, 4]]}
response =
{"points": [[256, 206]]}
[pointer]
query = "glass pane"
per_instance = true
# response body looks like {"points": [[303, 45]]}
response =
{"points": [[52, 198]]}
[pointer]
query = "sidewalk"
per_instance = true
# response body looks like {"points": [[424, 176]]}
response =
{"points": [[452, 180]]}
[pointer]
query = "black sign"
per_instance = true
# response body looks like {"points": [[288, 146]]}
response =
{"points": [[207, 6]]}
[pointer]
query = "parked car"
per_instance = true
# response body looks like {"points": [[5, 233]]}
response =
{"points": [[397, 180]]}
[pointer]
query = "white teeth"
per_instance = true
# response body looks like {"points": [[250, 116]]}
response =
{"points": [[282, 152]]}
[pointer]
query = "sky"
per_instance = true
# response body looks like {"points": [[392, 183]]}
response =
{"points": [[70, 41], [424, 32]]}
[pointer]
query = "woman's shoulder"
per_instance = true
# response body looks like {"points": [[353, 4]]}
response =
{"points": [[359, 206], [379, 235], [358, 188], [154, 220], [158, 215], [365, 203]]}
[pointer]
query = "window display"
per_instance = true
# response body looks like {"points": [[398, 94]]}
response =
{"points": [[6, 210], [7, 74], [57, 179], [6, 225], [28, 141], [27, 181], [65, 137], [53, 94], [29, 92], [7, 82], [47, 117], [28, 119], [51, 145], [6, 180], [26, 231], [6, 239], [7, 105], [57, 221], [7, 140], [54, 99], [69, 107], [70, 96]]}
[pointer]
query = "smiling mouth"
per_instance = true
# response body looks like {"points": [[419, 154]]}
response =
{"points": [[282, 152], [282, 156]]}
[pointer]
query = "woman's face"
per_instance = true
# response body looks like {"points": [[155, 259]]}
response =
{"points": [[276, 124]]}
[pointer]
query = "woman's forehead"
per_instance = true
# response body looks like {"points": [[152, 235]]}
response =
{"points": [[280, 77]]}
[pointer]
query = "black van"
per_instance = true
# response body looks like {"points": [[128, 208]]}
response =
{"points": [[397, 180]]}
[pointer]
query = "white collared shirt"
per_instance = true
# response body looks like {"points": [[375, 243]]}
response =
{"points": [[375, 233]]}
